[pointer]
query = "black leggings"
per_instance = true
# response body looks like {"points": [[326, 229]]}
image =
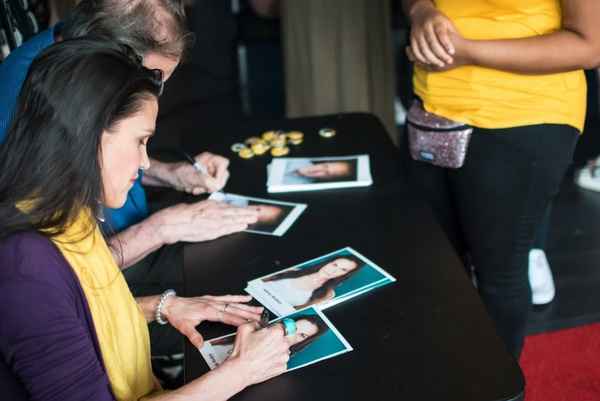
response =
{"points": [[492, 206]]}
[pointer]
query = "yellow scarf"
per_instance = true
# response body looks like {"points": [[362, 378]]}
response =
{"points": [[120, 325]]}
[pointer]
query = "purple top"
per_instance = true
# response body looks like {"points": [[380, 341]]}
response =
{"points": [[48, 344]]}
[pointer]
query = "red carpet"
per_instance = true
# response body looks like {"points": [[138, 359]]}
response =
{"points": [[563, 365]]}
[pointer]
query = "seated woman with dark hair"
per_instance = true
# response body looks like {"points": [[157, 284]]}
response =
{"points": [[71, 328], [313, 284]]}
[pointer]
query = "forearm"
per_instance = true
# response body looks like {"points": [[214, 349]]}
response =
{"points": [[547, 54], [148, 306], [159, 174], [412, 7], [134, 243], [218, 384]]}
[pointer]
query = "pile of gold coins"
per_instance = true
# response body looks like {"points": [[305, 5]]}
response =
{"points": [[277, 142]]}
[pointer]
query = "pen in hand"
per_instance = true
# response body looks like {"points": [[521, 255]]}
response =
{"points": [[264, 320], [194, 163]]}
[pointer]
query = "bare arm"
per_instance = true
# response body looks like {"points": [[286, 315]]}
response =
{"points": [[574, 47], [201, 221], [257, 355], [266, 8]]}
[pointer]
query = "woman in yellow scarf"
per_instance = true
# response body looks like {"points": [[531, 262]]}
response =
{"points": [[70, 328]]}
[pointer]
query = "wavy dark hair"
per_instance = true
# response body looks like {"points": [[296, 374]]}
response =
{"points": [[321, 330], [329, 284], [74, 91], [147, 26]]}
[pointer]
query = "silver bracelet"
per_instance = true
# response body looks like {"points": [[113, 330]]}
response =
{"points": [[159, 307]]}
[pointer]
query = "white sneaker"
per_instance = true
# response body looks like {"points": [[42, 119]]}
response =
{"points": [[540, 278], [588, 177]]}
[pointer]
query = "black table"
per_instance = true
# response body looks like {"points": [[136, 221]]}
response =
{"points": [[427, 336]]}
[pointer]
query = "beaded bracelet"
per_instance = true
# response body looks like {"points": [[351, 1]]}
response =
{"points": [[159, 307]]}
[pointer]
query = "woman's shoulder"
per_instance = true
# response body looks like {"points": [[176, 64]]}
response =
{"points": [[31, 254]]}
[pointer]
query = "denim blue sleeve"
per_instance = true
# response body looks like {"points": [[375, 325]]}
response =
{"points": [[13, 71]]}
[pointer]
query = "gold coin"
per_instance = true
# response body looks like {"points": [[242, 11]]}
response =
{"points": [[327, 132], [296, 141], [270, 135], [295, 135], [245, 153], [280, 151], [252, 140], [279, 142], [259, 148]]}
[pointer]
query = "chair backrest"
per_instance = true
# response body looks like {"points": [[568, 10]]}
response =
{"points": [[17, 24]]}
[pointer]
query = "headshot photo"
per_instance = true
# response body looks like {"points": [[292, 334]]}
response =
{"points": [[274, 217], [315, 339], [320, 282], [306, 171], [288, 174], [309, 285]]}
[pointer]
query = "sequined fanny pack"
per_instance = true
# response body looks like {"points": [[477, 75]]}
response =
{"points": [[436, 140]]}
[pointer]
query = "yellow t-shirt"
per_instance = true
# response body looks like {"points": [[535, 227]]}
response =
{"points": [[120, 325], [488, 98]]}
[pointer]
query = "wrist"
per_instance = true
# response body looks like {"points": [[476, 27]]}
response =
{"points": [[159, 227], [160, 313], [418, 8]]}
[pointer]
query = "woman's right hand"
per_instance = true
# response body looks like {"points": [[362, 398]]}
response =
{"points": [[430, 33], [259, 354]]}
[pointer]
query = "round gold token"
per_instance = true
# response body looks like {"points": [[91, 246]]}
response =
{"points": [[270, 135], [236, 147], [280, 151], [327, 132], [252, 140], [259, 148], [297, 141], [279, 142], [295, 135], [245, 153]]}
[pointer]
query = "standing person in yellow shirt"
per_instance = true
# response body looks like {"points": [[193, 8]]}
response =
{"points": [[511, 70]]}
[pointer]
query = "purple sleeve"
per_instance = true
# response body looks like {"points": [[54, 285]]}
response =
{"points": [[47, 337]]}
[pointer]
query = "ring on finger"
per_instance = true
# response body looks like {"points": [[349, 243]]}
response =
{"points": [[289, 326], [220, 315], [226, 306]]}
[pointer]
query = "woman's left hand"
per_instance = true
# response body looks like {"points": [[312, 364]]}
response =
{"points": [[186, 313]]}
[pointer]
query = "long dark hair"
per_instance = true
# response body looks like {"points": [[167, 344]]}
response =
{"points": [[329, 284], [148, 26], [321, 329], [74, 91]]}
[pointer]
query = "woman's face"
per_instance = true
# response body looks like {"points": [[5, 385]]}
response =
{"points": [[337, 267], [123, 152], [325, 170], [304, 330], [267, 213]]}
